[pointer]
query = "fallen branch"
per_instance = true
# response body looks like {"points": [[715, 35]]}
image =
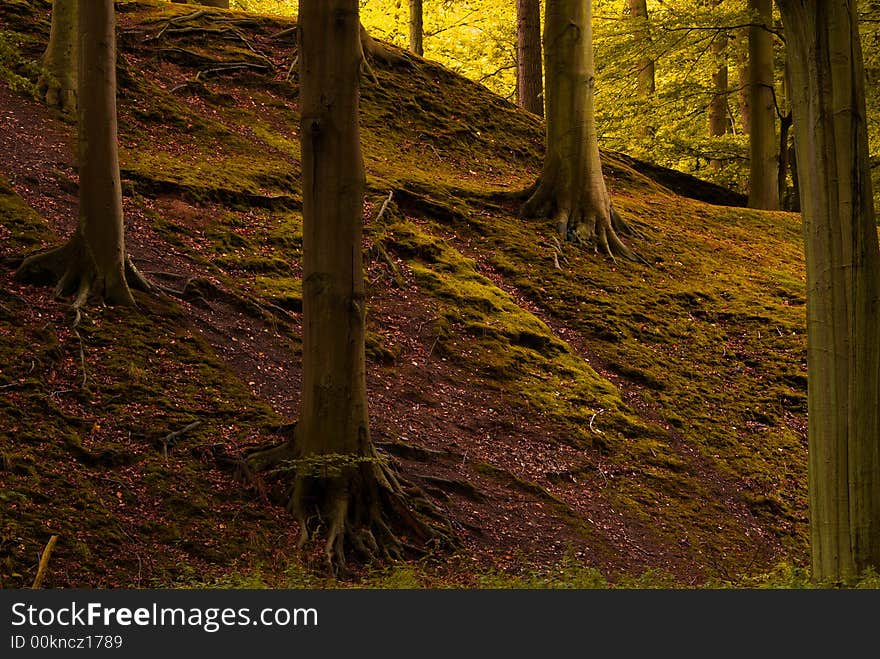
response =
{"points": [[44, 563], [171, 438], [82, 359]]}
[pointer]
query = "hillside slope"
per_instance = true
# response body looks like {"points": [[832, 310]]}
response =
{"points": [[624, 417]]}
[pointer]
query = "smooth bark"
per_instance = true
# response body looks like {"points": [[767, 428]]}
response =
{"points": [[763, 161], [529, 73], [571, 189], [341, 488], [416, 29], [645, 66], [57, 85], [719, 113], [843, 285], [94, 260]]}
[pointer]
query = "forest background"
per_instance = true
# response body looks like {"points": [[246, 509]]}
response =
{"points": [[688, 41]]}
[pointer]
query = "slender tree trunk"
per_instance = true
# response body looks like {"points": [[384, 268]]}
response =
{"points": [[719, 121], [763, 164], [638, 11], [645, 78], [843, 285], [94, 260], [741, 40], [529, 76], [571, 189], [416, 30], [57, 83]]}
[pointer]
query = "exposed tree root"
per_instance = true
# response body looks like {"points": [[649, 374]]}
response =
{"points": [[358, 504], [581, 221], [74, 273], [58, 94]]}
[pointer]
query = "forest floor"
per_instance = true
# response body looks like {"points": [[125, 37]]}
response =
{"points": [[599, 422]]}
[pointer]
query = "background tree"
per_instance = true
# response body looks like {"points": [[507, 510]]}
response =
{"points": [[571, 188], [763, 164], [94, 259], [416, 30], [719, 114], [529, 73], [57, 83], [638, 13], [843, 285], [341, 484]]}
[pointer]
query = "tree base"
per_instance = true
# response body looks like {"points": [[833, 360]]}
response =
{"points": [[75, 274], [56, 95], [582, 221], [355, 502]]}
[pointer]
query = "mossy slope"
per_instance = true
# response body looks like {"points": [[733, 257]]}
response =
{"points": [[682, 381]]}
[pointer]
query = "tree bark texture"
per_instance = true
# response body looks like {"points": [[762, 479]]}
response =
{"points": [[741, 42], [57, 83], [94, 259], [571, 189], [763, 164], [416, 27], [843, 285], [645, 67], [341, 487], [529, 74], [719, 112]]}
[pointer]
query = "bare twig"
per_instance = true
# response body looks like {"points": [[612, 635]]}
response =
{"points": [[593, 418], [172, 437], [384, 206], [82, 360]]}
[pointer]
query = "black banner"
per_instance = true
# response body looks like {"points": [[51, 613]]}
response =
{"points": [[398, 623]]}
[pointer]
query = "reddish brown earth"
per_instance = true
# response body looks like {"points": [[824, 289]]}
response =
{"points": [[451, 423]]}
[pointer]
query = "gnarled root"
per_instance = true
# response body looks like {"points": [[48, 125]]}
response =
{"points": [[57, 94], [359, 506], [582, 222], [73, 271]]}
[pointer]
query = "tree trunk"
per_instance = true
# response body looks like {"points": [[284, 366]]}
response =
{"points": [[529, 76], [57, 83], [719, 121], [763, 165], [571, 189], [341, 487], [416, 31], [741, 40], [843, 285], [646, 84], [94, 260]]}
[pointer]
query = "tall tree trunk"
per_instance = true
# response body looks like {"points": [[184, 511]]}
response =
{"points": [[763, 164], [645, 67], [94, 260], [741, 41], [571, 189], [529, 76], [341, 487], [416, 30], [719, 121], [843, 285], [57, 83], [645, 79]]}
